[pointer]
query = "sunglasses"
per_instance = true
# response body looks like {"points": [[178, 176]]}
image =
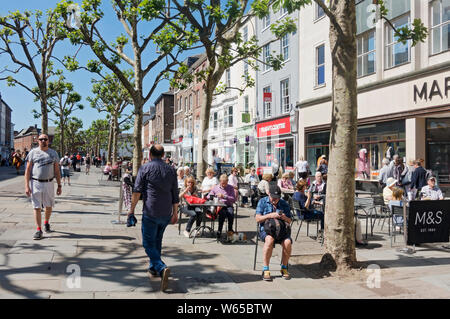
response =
{"points": [[43, 139]]}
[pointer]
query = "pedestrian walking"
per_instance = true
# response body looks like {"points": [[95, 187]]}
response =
{"points": [[65, 168], [157, 182], [88, 164], [17, 161], [43, 167]]}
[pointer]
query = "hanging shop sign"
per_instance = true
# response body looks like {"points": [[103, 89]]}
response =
{"points": [[273, 128]]}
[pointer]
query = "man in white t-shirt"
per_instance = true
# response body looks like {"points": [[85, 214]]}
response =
{"points": [[65, 168], [302, 168], [42, 169]]}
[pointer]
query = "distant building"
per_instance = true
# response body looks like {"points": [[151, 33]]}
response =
{"points": [[6, 129], [147, 132], [27, 139], [162, 123]]}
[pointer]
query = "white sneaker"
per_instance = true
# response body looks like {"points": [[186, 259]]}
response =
{"points": [[186, 234]]}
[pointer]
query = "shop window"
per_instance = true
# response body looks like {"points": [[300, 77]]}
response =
{"points": [[397, 53], [440, 26], [438, 148], [365, 44], [374, 142], [319, 12]]}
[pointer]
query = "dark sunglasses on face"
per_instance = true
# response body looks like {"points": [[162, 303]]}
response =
{"points": [[43, 139]]}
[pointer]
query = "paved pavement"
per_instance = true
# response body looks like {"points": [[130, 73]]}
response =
{"points": [[112, 262]]}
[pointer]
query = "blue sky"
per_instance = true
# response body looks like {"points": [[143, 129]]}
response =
{"points": [[22, 102]]}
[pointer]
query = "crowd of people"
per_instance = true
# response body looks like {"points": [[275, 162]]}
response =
{"points": [[164, 189]]}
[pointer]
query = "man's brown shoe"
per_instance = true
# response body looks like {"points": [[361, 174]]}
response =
{"points": [[266, 275], [165, 279], [285, 274]]}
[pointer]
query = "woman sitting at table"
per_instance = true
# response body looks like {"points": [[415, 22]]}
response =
{"points": [[304, 200], [263, 186], [397, 200], [285, 184], [227, 195], [194, 213], [208, 182]]}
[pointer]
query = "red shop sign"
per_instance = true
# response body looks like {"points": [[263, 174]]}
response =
{"points": [[273, 128], [280, 145], [267, 96]]}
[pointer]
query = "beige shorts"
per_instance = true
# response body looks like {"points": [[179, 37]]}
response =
{"points": [[42, 194]]}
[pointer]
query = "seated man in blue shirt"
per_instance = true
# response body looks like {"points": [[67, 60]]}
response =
{"points": [[273, 206]]}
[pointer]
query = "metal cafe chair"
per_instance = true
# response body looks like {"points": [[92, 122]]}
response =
{"points": [[296, 207], [397, 211], [366, 204]]}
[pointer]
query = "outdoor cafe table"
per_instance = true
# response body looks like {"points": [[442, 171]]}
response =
{"points": [[204, 206]]}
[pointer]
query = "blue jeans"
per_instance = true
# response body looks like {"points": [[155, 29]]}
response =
{"points": [[152, 234]]}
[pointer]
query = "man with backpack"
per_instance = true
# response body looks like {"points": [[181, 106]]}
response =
{"points": [[65, 168], [274, 217]]}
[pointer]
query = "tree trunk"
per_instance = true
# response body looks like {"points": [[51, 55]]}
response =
{"points": [[44, 112], [202, 150], [137, 139], [339, 216], [110, 141], [115, 135], [61, 136]]}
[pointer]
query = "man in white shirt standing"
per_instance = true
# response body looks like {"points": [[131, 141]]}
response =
{"points": [[302, 168]]}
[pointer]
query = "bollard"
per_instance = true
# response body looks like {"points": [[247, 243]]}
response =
{"points": [[406, 249], [118, 221]]}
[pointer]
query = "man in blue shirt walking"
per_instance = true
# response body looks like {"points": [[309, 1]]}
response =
{"points": [[157, 182], [273, 206]]}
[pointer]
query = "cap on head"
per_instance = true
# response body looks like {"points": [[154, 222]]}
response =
{"points": [[275, 191]]}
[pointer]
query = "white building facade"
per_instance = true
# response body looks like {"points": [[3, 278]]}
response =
{"points": [[403, 91]]}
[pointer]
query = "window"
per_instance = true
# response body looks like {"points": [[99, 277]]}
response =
{"points": [[285, 103], [266, 57], [320, 65], [185, 104], [245, 34], [228, 76], [246, 69], [228, 116], [319, 12], [285, 47], [440, 26], [190, 102], [365, 44], [215, 121], [396, 52], [283, 11], [266, 21], [197, 101], [267, 103], [246, 106]]}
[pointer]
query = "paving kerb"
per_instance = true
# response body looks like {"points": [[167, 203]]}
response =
{"points": [[113, 261]]}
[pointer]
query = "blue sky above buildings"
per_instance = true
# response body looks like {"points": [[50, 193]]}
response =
{"points": [[22, 102]]}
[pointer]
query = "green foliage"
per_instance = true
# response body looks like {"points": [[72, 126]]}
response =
{"points": [[150, 9]]}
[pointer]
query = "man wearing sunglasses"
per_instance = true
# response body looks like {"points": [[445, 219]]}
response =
{"points": [[42, 169]]}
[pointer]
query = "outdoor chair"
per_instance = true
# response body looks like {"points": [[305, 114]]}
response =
{"points": [[296, 207], [115, 174], [397, 221], [378, 201], [245, 188], [366, 204]]}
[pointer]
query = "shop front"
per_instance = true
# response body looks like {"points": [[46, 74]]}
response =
{"points": [[276, 143], [409, 117]]}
